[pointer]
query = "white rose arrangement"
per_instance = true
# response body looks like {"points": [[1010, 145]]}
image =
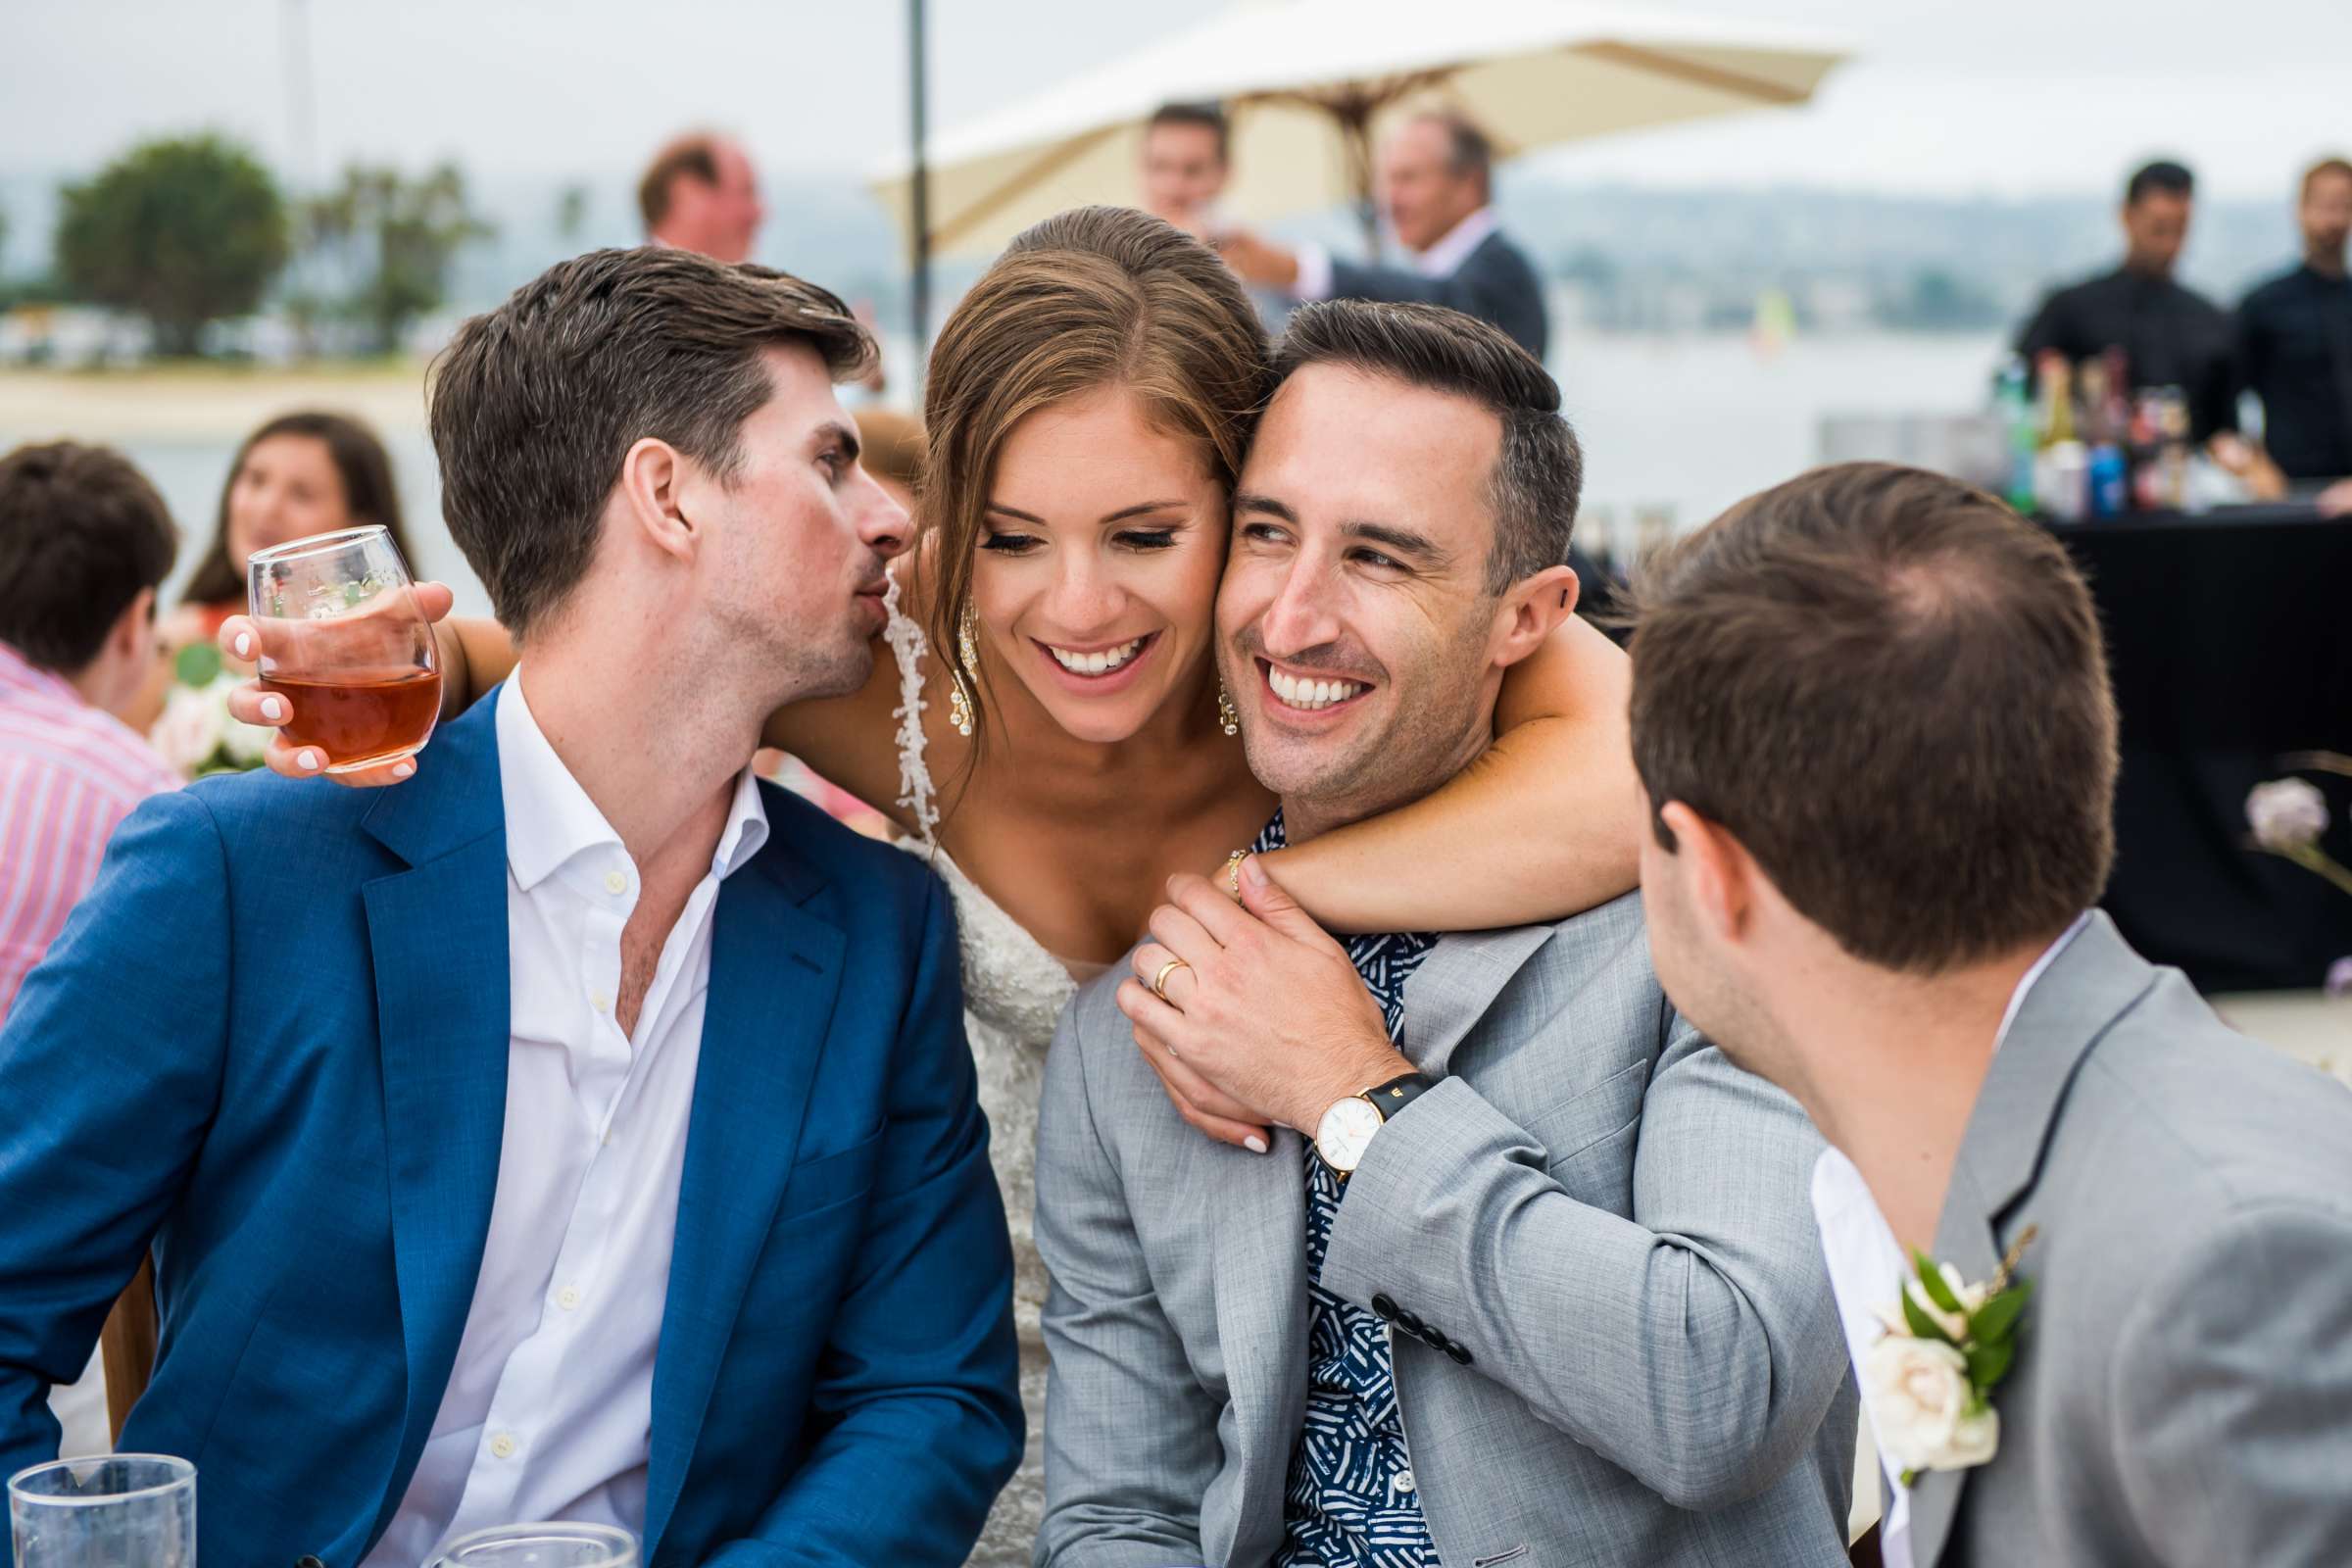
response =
{"points": [[195, 734], [2287, 818], [1927, 1382]]}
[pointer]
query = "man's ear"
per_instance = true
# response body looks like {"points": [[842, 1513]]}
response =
{"points": [[653, 482], [1720, 878], [132, 639], [1531, 611]]}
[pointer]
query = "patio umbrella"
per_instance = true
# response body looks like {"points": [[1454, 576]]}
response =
{"points": [[1307, 86]]}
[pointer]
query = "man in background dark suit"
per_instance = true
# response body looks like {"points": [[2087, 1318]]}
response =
{"points": [[1436, 187]]}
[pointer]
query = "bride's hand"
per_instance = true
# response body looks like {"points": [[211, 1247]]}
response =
{"points": [[245, 639]]}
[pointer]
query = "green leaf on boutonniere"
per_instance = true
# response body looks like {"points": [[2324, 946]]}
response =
{"points": [[198, 664], [1995, 1319], [1987, 1364], [1922, 1325], [1932, 1281]]}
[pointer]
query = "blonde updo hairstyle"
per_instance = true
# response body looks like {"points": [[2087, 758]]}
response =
{"points": [[1095, 297]]}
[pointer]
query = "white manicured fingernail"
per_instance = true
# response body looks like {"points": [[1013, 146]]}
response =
{"points": [[1255, 1144], [403, 769], [244, 645], [308, 762], [273, 709]]}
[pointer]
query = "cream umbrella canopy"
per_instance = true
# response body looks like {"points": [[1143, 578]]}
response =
{"points": [[1308, 83]]}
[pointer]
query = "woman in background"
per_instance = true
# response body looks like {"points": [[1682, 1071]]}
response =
{"points": [[301, 474]]}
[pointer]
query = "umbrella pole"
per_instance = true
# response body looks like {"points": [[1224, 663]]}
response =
{"points": [[919, 193]]}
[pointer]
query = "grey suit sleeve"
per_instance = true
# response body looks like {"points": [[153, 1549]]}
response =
{"points": [[2230, 1385], [1131, 1440], [1696, 1345]]}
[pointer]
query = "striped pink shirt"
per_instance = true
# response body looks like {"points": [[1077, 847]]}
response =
{"points": [[70, 773]]}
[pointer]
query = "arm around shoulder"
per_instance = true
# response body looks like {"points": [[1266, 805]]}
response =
{"points": [[1540, 826], [2230, 1387]]}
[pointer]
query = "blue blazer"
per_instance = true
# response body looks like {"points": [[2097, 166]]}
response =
{"points": [[1495, 282], [271, 1044]]}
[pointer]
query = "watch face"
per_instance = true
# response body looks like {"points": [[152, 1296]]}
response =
{"points": [[1344, 1133]]}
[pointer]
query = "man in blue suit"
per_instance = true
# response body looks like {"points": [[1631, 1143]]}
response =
{"points": [[582, 1130], [1437, 188]]}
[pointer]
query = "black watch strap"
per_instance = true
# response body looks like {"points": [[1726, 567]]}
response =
{"points": [[1398, 1093]]}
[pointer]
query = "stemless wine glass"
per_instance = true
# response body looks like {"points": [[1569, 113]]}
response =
{"points": [[128, 1510], [542, 1546], [345, 643]]}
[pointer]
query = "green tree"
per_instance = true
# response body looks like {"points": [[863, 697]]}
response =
{"points": [[184, 231], [572, 212], [397, 238]]}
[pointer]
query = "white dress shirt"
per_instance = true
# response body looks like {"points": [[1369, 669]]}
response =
{"points": [[1442, 259], [549, 1409], [1867, 1266]]}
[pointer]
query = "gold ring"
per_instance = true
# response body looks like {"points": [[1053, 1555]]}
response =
{"points": [[1160, 981]]}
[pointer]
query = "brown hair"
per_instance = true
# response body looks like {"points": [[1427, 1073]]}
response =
{"points": [[693, 156], [1208, 116], [535, 403], [82, 533], [1539, 469], [1891, 689], [1096, 297], [1469, 150], [368, 495], [2318, 171]]}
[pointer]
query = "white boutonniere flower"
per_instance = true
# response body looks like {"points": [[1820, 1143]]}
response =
{"points": [[1928, 1380]]}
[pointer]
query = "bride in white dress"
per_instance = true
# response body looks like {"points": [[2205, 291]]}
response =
{"points": [[1087, 408]]}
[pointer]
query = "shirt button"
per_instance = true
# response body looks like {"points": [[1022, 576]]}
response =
{"points": [[503, 1446], [616, 883], [600, 1001], [569, 1298], [1404, 1480]]}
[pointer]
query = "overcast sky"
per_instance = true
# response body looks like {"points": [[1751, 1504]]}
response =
{"points": [[1999, 97]]}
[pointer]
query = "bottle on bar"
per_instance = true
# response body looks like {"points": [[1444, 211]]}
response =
{"points": [[2062, 465], [2013, 407]]}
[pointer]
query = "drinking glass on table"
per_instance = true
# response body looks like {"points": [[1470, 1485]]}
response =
{"points": [[126, 1510], [542, 1546], [343, 641]]}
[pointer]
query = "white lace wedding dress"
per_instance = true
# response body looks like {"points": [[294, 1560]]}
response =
{"points": [[1013, 993]]}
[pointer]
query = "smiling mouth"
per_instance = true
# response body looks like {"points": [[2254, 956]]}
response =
{"points": [[1310, 694], [1101, 661]]}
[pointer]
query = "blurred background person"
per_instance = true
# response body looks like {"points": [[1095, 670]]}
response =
{"points": [[84, 543], [700, 194], [1186, 153], [301, 474], [1437, 188], [2295, 342], [2170, 335]]}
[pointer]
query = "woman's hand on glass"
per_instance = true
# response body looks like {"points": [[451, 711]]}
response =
{"points": [[241, 638]]}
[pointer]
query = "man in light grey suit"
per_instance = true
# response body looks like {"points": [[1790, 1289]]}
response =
{"points": [[1873, 890], [1543, 1234]]}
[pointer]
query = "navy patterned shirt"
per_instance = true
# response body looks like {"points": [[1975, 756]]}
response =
{"points": [[1350, 1500]]}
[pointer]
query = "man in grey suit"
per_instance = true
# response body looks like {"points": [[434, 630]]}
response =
{"points": [[1543, 1231], [1875, 890], [1437, 185]]}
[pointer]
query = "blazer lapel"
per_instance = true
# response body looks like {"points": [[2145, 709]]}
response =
{"points": [[2085, 990], [776, 970], [437, 934], [1260, 1220], [1456, 986]]}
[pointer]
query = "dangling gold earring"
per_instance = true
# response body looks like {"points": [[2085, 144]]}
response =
{"points": [[1227, 719], [966, 668]]}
